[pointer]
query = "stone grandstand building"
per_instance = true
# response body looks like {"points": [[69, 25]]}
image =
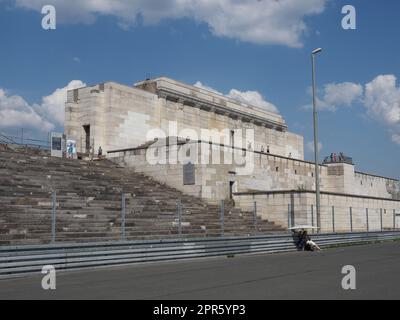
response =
{"points": [[168, 131]]}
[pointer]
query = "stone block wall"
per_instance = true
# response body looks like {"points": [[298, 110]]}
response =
{"points": [[339, 213], [267, 173], [121, 117]]}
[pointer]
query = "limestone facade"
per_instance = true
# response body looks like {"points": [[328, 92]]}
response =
{"points": [[280, 181], [122, 117]]}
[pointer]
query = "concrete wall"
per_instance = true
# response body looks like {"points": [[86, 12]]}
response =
{"points": [[121, 117], [265, 172], [341, 177], [294, 208], [118, 116]]}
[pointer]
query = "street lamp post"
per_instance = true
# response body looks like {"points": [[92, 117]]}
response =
{"points": [[317, 191]]}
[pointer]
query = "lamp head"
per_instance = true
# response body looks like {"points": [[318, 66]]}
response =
{"points": [[315, 51]]}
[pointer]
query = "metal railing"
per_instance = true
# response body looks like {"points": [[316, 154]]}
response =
{"points": [[338, 158], [25, 260], [25, 141], [64, 217]]}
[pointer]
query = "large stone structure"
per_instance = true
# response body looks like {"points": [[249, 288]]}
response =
{"points": [[116, 116], [266, 166]]}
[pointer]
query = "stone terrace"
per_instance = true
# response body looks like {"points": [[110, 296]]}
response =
{"points": [[89, 204]]}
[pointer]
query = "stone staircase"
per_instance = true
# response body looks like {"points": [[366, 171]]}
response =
{"points": [[88, 205]]}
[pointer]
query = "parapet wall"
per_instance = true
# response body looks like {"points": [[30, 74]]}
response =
{"points": [[260, 172]]}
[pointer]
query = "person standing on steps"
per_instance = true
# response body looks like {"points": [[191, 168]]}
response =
{"points": [[100, 152]]}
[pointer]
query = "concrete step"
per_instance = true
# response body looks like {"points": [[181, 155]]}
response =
{"points": [[89, 203]]}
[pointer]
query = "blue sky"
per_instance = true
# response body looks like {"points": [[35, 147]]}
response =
{"points": [[128, 42]]}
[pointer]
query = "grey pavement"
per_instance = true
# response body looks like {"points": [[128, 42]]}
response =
{"points": [[295, 275]]}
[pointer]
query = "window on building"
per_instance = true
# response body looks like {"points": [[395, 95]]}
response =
{"points": [[188, 174]]}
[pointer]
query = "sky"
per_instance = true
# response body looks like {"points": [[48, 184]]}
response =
{"points": [[252, 50]]}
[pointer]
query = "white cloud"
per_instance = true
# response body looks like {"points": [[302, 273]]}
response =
{"points": [[253, 98], [396, 138], [382, 99], [15, 111], [257, 21], [336, 95], [310, 146], [200, 85], [53, 105]]}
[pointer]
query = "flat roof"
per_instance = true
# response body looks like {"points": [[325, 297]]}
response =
{"points": [[164, 84]]}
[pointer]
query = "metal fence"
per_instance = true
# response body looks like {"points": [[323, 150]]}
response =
{"points": [[120, 216], [336, 218], [25, 140], [24, 260]]}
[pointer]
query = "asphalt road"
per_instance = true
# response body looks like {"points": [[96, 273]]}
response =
{"points": [[296, 275]]}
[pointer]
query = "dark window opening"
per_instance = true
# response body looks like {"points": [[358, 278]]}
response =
{"points": [[189, 174], [87, 137], [76, 95], [231, 189]]}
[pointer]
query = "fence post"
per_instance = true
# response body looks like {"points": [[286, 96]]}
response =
{"points": [[53, 216], [179, 211], [255, 215], [312, 215], [381, 220], [394, 219], [289, 220], [222, 217], [351, 219], [123, 212], [333, 218], [367, 219]]}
